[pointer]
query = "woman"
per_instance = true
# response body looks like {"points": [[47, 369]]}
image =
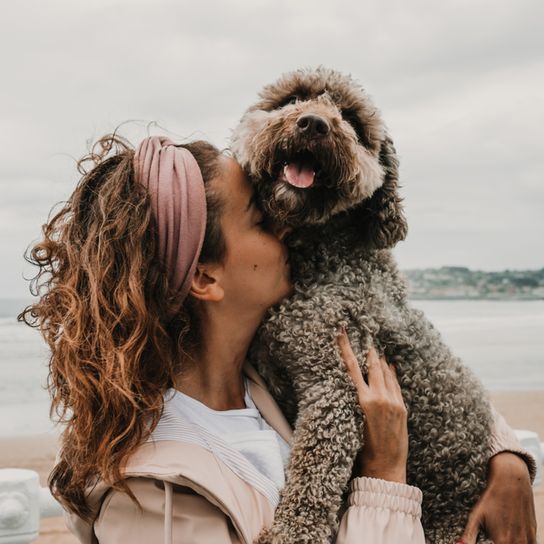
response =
{"points": [[153, 280]]}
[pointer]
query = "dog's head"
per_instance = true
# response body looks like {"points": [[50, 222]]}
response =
{"points": [[315, 146]]}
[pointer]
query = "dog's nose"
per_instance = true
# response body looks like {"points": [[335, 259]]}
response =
{"points": [[313, 125]]}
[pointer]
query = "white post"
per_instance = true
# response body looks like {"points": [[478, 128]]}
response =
{"points": [[22, 503], [19, 506]]}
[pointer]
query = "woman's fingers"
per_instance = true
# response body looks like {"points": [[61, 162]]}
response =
{"points": [[376, 367], [376, 378], [392, 382], [472, 527], [351, 362], [385, 447], [382, 377]]}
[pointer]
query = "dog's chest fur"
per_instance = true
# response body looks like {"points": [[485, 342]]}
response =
{"points": [[338, 283]]}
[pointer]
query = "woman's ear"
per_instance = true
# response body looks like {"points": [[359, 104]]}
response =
{"points": [[381, 218], [206, 284]]}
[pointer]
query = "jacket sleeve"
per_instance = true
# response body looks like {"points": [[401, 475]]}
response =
{"points": [[387, 512], [503, 439], [381, 512], [193, 518]]}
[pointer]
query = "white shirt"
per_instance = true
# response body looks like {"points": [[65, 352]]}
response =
{"points": [[243, 429]]}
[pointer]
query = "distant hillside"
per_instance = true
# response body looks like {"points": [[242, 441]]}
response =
{"points": [[458, 282]]}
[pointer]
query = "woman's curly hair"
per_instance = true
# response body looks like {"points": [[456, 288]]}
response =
{"points": [[103, 298]]}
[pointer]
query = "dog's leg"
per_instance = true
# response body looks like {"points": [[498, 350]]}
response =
{"points": [[449, 423], [327, 438]]}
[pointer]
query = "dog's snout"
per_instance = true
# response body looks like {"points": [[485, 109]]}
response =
{"points": [[313, 125]]}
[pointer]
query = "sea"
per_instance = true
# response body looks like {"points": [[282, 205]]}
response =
{"points": [[502, 341]]}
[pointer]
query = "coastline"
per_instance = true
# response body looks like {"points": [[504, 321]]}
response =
{"points": [[522, 410], [477, 298]]}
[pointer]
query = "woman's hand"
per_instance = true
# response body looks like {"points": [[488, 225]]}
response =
{"points": [[385, 448], [506, 508]]}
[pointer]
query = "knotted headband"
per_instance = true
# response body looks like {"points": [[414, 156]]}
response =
{"points": [[178, 202]]}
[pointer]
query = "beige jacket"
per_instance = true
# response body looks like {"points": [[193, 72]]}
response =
{"points": [[189, 493]]}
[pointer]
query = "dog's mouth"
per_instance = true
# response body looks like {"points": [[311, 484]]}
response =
{"points": [[300, 170]]}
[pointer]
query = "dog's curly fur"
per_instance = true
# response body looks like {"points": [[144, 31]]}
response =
{"points": [[344, 275]]}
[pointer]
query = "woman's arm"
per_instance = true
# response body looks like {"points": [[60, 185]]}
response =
{"points": [[503, 439], [381, 512], [506, 507], [382, 509]]}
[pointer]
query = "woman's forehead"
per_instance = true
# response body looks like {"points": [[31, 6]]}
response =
{"points": [[236, 190]]}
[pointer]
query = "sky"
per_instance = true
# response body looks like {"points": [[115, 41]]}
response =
{"points": [[460, 85]]}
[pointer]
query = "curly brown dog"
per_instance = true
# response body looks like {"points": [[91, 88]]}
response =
{"points": [[319, 155]]}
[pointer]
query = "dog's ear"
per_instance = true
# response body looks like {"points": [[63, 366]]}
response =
{"points": [[380, 219]]}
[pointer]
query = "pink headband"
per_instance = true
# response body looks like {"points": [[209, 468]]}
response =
{"points": [[178, 201]]}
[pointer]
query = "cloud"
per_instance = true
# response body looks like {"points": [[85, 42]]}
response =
{"points": [[460, 85]]}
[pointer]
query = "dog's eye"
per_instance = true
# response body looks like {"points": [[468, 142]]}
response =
{"points": [[292, 99], [353, 119]]}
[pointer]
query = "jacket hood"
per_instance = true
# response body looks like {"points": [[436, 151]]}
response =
{"points": [[180, 456]]}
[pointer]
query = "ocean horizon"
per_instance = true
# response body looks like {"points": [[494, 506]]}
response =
{"points": [[501, 341]]}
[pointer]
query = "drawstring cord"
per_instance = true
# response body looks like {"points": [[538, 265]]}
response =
{"points": [[168, 506]]}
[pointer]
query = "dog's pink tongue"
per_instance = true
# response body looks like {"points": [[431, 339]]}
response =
{"points": [[298, 175]]}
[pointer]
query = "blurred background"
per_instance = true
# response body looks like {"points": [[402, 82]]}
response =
{"points": [[459, 83]]}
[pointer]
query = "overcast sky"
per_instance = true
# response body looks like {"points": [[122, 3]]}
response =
{"points": [[459, 83]]}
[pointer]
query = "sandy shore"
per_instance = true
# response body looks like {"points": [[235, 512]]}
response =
{"points": [[523, 410]]}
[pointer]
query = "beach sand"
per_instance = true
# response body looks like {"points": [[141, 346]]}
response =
{"points": [[522, 410]]}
